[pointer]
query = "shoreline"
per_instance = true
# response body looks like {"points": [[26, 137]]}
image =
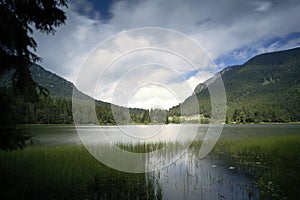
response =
{"points": [[262, 123]]}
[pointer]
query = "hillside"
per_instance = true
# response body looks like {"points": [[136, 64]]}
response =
{"points": [[57, 109], [58, 86], [264, 89]]}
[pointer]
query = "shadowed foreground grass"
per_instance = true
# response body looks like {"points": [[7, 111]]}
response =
{"points": [[68, 172], [273, 162]]}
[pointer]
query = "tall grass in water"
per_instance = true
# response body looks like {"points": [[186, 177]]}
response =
{"points": [[68, 172], [274, 162]]}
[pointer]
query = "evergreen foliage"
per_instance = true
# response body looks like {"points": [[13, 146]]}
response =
{"points": [[18, 17], [264, 89]]}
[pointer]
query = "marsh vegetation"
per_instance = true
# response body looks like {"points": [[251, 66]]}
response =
{"points": [[251, 165]]}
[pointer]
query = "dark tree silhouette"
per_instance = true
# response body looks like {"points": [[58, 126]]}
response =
{"points": [[17, 21]]}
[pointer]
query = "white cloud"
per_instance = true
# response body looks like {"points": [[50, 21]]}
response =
{"points": [[222, 27], [262, 5], [120, 65], [153, 96]]}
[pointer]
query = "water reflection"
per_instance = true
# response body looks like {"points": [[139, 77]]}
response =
{"points": [[55, 135], [192, 178], [188, 177]]}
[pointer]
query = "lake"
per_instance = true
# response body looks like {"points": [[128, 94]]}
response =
{"points": [[55, 135], [186, 177]]}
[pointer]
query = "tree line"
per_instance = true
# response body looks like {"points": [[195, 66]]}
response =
{"points": [[58, 110]]}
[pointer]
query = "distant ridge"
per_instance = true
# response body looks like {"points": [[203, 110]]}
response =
{"points": [[58, 86], [264, 89]]}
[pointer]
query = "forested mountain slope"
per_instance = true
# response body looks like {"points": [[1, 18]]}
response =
{"points": [[57, 108], [264, 89]]}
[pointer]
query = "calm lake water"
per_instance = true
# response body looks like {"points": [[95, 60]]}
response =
{"points": [[55, 135], [189, 177]]}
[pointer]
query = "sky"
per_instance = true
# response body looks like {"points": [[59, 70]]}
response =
{"points": [[213, 34]]}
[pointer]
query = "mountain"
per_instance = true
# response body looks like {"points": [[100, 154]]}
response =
{"points": [[58, 108], [57, 86], [264, 89]]}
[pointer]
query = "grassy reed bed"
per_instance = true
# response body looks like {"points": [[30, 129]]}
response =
{"points": [[68, 172], [274, 162], [144, 147]]}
